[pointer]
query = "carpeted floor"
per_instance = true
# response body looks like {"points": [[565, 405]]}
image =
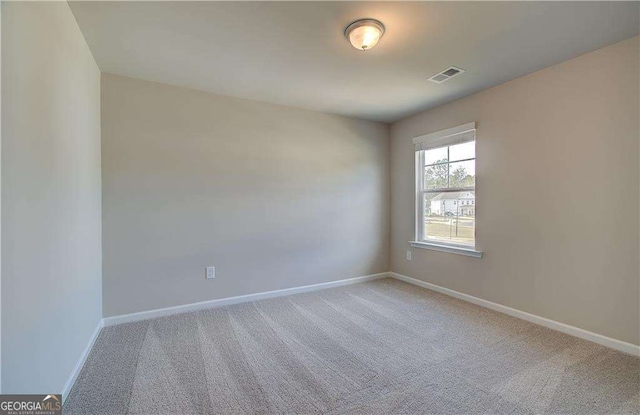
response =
{"points": [[381, 347]]}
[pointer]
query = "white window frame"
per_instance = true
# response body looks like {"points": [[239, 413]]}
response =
{"points": [[440, 139]]}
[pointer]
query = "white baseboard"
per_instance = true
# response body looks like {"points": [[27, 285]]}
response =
{"points": [[80, 363], [186, 308], [552, 324]]}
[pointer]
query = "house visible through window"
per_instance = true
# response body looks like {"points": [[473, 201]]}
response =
{"points": [[445, 187]]}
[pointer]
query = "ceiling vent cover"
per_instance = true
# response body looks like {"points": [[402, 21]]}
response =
{"points": [[446, 74]]}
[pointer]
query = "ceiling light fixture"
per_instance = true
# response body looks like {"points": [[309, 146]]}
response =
{"points": [[364, 33]]}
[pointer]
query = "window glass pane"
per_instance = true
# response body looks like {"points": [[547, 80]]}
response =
{"points": [[427, 203], [462, 174], [437, 155], [446, 221], [462, 151], [435, 177]]}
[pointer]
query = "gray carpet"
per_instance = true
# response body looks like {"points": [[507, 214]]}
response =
{"points": [[381, 347]]}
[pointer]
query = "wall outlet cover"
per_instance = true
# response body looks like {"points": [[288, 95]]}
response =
{"points": [[211, 273]]}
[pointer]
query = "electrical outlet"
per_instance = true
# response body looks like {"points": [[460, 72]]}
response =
{"points": [[408, 255], [211, 273]]}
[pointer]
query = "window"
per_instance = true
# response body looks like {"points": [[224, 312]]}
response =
{"points": [[446, 188]]}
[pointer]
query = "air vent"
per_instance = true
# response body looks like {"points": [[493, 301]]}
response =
{"points": [[446, 75]]}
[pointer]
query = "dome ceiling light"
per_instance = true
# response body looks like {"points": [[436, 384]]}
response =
{"points": [[364, 33]]}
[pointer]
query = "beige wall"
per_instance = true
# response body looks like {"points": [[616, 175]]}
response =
{"points": [[51, 196], [274, 197], [557, 194]]}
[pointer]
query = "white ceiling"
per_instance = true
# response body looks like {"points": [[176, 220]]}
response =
{"points": [[294, 53]]}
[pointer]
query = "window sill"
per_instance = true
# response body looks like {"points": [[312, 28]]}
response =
{"points": [[447, 248]]}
